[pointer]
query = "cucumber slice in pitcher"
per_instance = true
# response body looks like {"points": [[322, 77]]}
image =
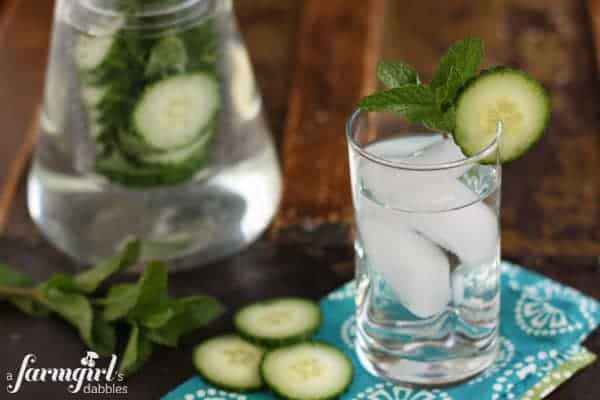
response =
{"points": [[507, 95], [179, 157], [229, 362], [91, 97], [173, 112], [279, 321], [307, 371], [120, 169], [92, 51]]}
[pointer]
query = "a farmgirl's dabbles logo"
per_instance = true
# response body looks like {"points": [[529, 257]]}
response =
{"points": [[89, 378]]}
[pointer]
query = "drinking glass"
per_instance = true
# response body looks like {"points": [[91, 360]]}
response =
{"points": [[427, 251]]}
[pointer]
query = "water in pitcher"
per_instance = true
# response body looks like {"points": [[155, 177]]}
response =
{"points": [[428, 252], [87, 197]]}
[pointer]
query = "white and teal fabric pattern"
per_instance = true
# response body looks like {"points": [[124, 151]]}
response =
{"points": [[542, 326]]}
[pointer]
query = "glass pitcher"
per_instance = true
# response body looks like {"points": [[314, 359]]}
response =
{"points": [[152, 127]]}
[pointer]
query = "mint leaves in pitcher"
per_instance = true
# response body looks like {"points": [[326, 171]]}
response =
{"points": [[467, 103], [152, 101]]}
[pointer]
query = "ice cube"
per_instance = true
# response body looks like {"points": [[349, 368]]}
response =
{"points": [[402, 147], [416, 269], [441, 151], [442, 209], [409, 189], [470, 232]]}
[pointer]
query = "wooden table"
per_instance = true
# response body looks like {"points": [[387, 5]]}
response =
{"points": [[313, 60]]}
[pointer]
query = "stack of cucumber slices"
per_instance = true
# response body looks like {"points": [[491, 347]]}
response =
{"points": [[152, 102], [272, 348]]}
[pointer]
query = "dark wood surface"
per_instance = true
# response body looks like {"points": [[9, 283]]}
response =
{"points": [[551, 199], [330, 77]]}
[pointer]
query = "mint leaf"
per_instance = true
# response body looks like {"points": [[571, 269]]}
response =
{"points": [[191, 313], [72, 307], [202, 44], [152, 289], [104, 336], [167, 56], [9, 276], [413, 101], [89, 280], [157, 318], [446, 94], [29, 306], [394, 74], [12, 278], [141, 299], [63, 282], [465, 56], [137, 351], [120, 299], [441, 121]]}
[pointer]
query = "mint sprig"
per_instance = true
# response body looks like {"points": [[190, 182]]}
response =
{"points": [[464, 56], [429, 105], [394, 74], [145, 308]]}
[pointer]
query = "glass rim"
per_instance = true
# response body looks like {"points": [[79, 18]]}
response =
{"points": [[488, 150], [149, 10]]}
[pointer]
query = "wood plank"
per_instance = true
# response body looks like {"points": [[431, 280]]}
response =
{"points": [[418, 32], [23, 45], [335, 65], [7, 7], [269, 29], [551, 203], [594, 13]]}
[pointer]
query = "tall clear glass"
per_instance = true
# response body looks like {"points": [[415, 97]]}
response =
{"points": [[427, 251], [152, 126]]}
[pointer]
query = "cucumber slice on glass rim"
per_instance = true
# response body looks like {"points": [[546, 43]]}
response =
{"points": [[279, 321], [307, 371], [230, 362], [501, 94]]}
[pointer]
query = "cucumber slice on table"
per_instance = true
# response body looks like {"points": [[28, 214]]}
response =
{"points": [[508, 95], [278, 321], [173, 112], [230, 362], [307, 371]]}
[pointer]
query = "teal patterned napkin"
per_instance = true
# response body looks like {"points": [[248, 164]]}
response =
{"points": [[542, 326]]}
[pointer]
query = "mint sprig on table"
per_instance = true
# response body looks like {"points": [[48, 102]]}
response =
{"points": [[467, 103], [144, 308], [431, 105]]}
